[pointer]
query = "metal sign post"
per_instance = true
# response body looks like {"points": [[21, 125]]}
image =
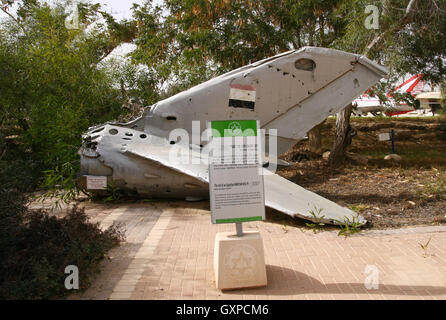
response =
{"points": [[393, 141], [239, 228]]}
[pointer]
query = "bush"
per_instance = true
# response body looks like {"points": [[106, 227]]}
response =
{"points": [[53, 88], [35, 248]]}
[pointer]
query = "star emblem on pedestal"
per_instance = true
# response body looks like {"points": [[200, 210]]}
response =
{"points": [[242, 261]]}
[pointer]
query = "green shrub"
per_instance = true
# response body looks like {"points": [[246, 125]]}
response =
{"points": [[35, 248], [53, 85]]}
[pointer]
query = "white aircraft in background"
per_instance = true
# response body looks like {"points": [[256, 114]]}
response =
{"points": [[372, 104]]}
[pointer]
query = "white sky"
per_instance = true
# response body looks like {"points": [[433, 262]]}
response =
{"points": [[118, 8]]}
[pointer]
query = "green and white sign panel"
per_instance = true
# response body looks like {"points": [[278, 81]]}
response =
{"points": [[235, 172]]}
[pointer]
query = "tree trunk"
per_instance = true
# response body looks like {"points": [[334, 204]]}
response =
{"points": [[443, 96], [315, 138], [343, 137]]}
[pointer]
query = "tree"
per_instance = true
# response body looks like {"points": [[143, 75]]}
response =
{"points": [[409, 40], [52, 85], [343, 137], [198, 40]]}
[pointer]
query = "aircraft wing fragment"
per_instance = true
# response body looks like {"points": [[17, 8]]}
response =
{"points": [[280, 193]]}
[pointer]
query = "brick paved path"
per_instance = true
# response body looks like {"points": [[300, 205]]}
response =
{"points": [[169, 255]]}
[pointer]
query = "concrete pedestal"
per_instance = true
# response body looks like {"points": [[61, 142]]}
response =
{"points": [[239, 262]]}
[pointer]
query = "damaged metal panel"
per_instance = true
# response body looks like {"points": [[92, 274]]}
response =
{"points": [[291, 93], [280, 87], [158, 168], [290, 198]]}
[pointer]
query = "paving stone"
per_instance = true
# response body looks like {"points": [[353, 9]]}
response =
{"points": [[169, 255]]}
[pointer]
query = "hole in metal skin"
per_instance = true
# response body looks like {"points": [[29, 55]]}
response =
{"points": [[305, 64], [171, 118], [143, 136], [91, 145], [99, 130], [113, 132]]}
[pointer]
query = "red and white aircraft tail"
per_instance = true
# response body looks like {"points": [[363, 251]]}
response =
{"points": [[366, 103], [414, 85]]}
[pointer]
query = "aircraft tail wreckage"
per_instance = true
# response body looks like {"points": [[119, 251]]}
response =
{"points": [[291, 92]]}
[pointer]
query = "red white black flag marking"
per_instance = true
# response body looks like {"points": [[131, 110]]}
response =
{"points": [[242, 96]]}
